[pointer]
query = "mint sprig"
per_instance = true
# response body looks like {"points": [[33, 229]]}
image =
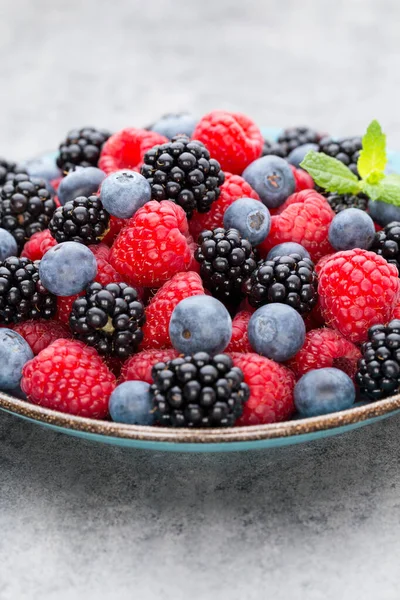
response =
{"points": [[333, 176], [330, 174]]}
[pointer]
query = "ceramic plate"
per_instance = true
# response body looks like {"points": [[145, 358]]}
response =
{"points": [[211, 440]]}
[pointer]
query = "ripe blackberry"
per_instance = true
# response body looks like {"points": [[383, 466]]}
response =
{"points": [[82, 148], [109, 318], [297, 136], [273, 148], [22, 295], [289, 280], [378, 372], [198, 391], [81, 220], [226, 261], [26, 207], [182, 171], [347, 150], [339, 202], [8, 170], [387, 243]]}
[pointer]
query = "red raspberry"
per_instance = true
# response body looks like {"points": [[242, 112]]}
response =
{"points": [[115, 227], [357, 289], [38, 244], [240, 340], [70, 377], [101, 251], [314, 319], [154, 246], [305, 219], [41, 333], [322, 261], [271, 389], [396, 312], [303, 180], [159, 311], [232, 139], [126, 149], [138, 367], [325, 348], [56, 182], [233, 188]]}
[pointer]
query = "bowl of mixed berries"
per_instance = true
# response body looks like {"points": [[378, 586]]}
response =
{"points": [[201, 285]]}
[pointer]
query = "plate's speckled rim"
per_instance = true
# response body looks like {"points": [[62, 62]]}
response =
{"points": [[201, 436]]}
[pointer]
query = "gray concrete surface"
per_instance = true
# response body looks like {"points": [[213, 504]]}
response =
{"points": [[316, 522]]}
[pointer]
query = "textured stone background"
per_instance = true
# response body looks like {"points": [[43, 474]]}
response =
{"points": [[78, 520]]}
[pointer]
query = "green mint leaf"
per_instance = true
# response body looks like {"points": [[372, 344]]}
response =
{"points": [[373, 191], [389, 190], [330, 174], [373, 154]]}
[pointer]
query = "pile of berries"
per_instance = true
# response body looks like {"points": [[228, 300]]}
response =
{"points": [[191, 274]]}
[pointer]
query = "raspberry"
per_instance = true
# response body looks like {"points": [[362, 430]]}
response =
{"points": [[70, 377], [396, 312], [159, 311], [240, 340], [305, 219], [271, 389], [138, 367], [115, 227], [357, 289], [154, 246], [126, 149], [232, 189], [303, 180], [325, 348], [38, 245], [233, 139], [40, 334]]}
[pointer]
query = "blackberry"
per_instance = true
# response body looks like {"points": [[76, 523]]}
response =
{"points": [[226, 261], [109, 318], [387, 243], [289, 280], [81, 220], [339, 202], [198, 391], [182, 171], [81, 148], [297, 136], [8, 170], [378, 372], [347, 150], [26, 207], [273, 148], [22, 295]]}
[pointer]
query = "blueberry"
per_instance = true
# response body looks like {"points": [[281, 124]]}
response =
{"points": [[276, 331], [200, 324], [287, 248], [351, 228], [124, 192], [81, 182], [297, 155], [43, 166], [171, 125], [66, 269], [8, 245], [383, 213], [323, 391], [131, 403], [250, 217], [14, 353], [272, 178]]}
